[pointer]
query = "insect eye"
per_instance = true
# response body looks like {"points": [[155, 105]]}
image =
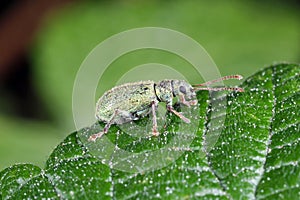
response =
{"points": [[182, 89]]}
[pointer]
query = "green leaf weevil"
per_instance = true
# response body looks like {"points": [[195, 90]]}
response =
{"points": [[132, 101]]}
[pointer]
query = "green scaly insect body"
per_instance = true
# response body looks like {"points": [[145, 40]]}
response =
{"points": [[133, 101]]}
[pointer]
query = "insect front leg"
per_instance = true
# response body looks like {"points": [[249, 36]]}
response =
{"points": [[171, 109], [105, 130], [187, 103], [154, 128]]}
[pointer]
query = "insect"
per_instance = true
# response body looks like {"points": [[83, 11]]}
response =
{"points": [[132, 101]]}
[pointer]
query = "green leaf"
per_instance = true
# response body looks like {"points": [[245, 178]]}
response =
{"points": [[25, 181], [255, 156], [259, 144]]}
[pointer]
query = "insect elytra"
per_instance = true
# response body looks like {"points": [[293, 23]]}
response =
{"points": [[132, 101]]}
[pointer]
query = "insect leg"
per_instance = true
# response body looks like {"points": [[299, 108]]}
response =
{"points": [[187, 103], [105, 130], [171, 109], [154, 128]]}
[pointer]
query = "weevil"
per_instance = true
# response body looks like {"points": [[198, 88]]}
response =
{"points": [[132, 101]]}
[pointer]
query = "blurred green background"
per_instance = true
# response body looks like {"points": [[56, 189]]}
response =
{"points": [[37, 81]]}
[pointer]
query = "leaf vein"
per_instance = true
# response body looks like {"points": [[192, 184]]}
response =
{"points": [[270, 131], [279, 191]]}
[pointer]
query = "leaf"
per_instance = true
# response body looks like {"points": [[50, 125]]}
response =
{"points": [[259, 145], [255, 157], [25, 182]]}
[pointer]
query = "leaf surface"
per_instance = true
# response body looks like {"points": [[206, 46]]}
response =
{"points": [[254, 156]]}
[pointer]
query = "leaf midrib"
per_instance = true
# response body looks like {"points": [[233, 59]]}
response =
{"points": [[207, 155], [269, 141]]}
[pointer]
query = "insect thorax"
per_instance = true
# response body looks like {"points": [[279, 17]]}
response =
{"points": [[164, 91]]}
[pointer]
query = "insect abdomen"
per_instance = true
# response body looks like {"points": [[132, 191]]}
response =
{"points": [[132, 98]]}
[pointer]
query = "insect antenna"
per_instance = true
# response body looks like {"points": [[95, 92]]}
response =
{"points": [[238, 89]]}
